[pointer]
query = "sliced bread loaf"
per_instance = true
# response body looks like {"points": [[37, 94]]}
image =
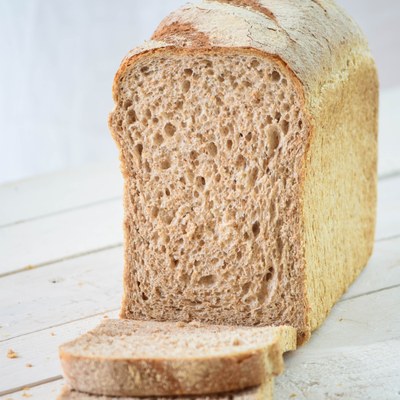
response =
{"points": [[262, 392], [248, 138], [147, 358]]}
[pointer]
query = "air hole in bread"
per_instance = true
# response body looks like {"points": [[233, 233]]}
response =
{"points": [[137, 151], [165, 164], [272, 138], [255, 63], [212, 149], [147, 167], [154, 212], [240, 161], [158, 139], [169, 129], [207, 280], [255, 228], [253, 176], [127, 104], [229, 144], [285, 126], [144, 297], [275, 76], [131, 117], [185, 86], [200, 182]]}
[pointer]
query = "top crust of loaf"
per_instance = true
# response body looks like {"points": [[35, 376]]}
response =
{"points": [[313, 38]]}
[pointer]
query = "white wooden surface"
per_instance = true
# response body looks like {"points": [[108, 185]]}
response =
{"points": [[61, 268]]}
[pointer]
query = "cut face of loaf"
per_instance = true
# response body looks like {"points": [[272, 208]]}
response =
{"points": [[148, 358], [213, 147], [247, 133], [263, 392]]}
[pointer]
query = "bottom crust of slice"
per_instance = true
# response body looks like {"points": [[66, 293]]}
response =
{"points": [[263, 392]]}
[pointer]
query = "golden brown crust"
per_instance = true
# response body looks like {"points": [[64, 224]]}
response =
{"points": [[172, 34]]}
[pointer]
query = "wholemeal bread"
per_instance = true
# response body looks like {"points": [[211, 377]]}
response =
{"points": [[263, 392], [147, 358], [247, 131]]}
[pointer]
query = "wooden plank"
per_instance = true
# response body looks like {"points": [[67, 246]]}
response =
{"points": [[382, 271], [354, 355], [57, 192], [388, 222], [389, 132], [79, 287], [78, 231], [40, 349], [54, 193], [93, 283], [60, 236], [46, 391], [367, 372], [358, 322]]}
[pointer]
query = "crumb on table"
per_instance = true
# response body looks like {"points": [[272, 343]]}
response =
{"points": [[12, 354]]}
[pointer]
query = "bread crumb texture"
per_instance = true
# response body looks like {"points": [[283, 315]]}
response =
{"points": [[212, 148]]}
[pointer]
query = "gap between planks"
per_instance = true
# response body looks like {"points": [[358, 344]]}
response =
{"points": [[66, 258]]}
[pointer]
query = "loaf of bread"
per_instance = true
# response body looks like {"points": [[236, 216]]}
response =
{"points": [[247, 131], [148, 358], [263, 392]]}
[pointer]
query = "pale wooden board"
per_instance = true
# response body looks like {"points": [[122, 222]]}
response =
{"points": [[81, 230], [388, 222], [54, 193], [354, 355], [369, 372], [80, 287], [356, 323], [93, 283], [59, 236], [382, 271], [47, 391], [41, 350], [389, 132]]}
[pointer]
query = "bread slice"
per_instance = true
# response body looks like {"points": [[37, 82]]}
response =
{"points": [[147, 358], [262, 392], [248, 138]]}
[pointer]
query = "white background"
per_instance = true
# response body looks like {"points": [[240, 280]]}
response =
{"points": [[58, 59]]}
